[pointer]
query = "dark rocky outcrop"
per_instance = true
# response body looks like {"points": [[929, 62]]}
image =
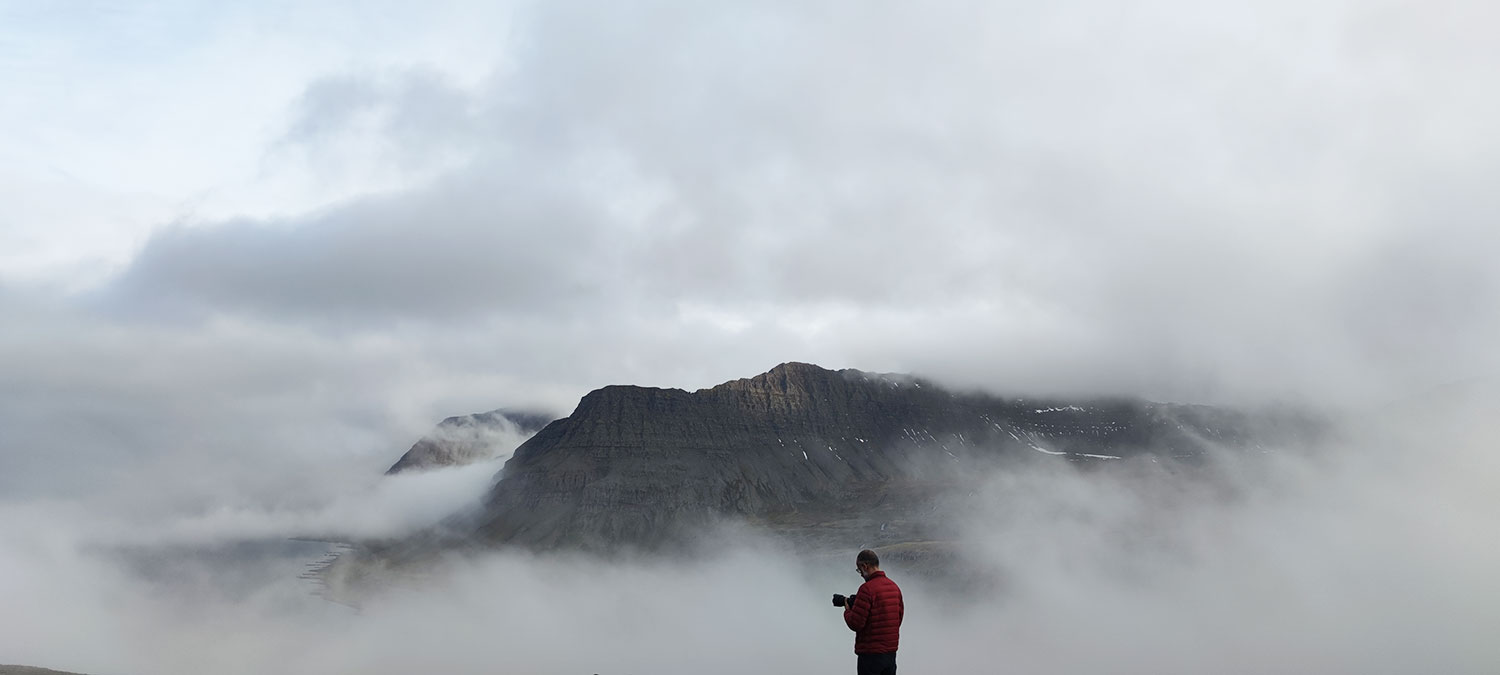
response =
{"points": [[466, 439], [30, 670], [806, 452]]}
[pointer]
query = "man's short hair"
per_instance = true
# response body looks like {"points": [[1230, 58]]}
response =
{"points": [[868, 557]]}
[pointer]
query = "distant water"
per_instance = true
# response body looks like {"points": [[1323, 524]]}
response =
{"points": [[232, 572]]}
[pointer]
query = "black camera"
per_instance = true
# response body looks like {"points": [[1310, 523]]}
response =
{"points": [[842, 600]]}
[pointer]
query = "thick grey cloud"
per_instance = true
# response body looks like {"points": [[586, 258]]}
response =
{"points": [[448, 255], [1192, 202]]}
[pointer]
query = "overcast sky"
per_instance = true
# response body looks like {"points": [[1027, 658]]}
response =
{"points": [[240, 225], [251, 250], [335, 224]]}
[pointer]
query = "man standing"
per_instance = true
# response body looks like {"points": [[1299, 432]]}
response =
{"points": [[874, 614]]}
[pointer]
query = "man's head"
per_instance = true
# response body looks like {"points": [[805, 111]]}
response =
{"points": [[867, 563]]}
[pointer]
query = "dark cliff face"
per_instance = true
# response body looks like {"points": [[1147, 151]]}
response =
{"points": [[466, 439], [796, 446]]}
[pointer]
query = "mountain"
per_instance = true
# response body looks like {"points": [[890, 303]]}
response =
{"points": [[821, 457], [466, 439]]}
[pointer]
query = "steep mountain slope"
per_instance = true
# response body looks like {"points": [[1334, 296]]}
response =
{"points": [[466, 439], [804, 451]]}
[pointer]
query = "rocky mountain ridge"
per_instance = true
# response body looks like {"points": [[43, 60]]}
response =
{"points": [[465, 439], [800, 448]]}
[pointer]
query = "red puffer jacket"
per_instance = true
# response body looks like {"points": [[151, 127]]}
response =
{"points": [[875, 616]]}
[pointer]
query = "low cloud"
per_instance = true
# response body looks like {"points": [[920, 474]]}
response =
{"points": [[1367, 554]]}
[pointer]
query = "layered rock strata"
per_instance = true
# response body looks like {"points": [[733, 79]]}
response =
{"points": [[804, 451]]}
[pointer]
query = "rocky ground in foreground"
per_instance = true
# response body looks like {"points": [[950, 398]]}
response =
{"points": [[29, 670]]}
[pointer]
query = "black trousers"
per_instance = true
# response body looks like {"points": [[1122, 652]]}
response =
{"points": [[876, 664]]}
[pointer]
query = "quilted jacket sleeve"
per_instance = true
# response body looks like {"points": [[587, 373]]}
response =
{"points": [[857, 613]]}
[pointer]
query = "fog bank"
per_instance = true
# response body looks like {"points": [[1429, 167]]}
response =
{"points": [[1368, 555]]}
